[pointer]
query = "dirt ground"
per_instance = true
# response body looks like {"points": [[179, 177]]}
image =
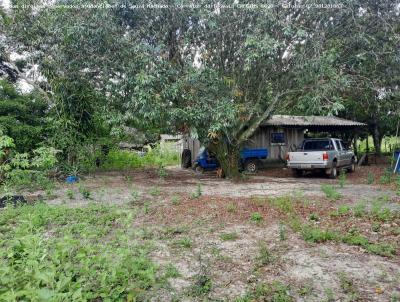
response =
{"points": [[204, 226]]}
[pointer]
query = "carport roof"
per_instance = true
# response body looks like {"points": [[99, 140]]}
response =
{"points": [[310, 121]]}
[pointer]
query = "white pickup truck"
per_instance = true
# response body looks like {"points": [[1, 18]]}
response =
{"points": [[328, 154]]}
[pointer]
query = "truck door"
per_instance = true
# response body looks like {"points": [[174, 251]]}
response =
{"points": [[341, 156], [347, 153]]}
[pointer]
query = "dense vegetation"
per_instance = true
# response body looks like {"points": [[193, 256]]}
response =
{"points": [[62, 254], [195, 70]]}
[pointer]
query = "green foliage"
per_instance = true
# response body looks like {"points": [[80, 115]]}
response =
{"points": [[273, 292], [124, 160], [264, 256], [23, 170], [359, 209], [154, 191], [171, 271], [22, 117], [283, 203], [256, 217], [70, 194], [343, 210], [185, 242], [342, 178], [202, 285], [330, 192], [85, 192], [317, 235], [348, 287], [387, 177], [58, 253], [282, 230], [313, 217], [370, 178], [175, 200], [229, 236], [197, 193]]}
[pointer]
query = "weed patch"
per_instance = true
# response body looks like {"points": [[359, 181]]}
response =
{"points": [[57, 253], [197, 194], [256, 217], [330, 192], [183, 242], [229, 236], [264, 256], [273, 292]]}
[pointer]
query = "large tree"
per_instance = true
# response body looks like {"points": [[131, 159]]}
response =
{"points": [[216, 71]]}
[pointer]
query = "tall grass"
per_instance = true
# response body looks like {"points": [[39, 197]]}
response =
{"points": [[125, 160]]}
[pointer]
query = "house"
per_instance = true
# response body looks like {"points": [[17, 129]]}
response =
{"points": [[283, 133]]}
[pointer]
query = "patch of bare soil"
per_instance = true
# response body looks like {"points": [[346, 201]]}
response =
{"points": [[202, 226]]}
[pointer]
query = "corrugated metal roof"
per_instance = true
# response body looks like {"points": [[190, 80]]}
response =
{"points": [[308, 121]]}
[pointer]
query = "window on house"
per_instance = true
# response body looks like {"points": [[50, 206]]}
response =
{"points": [[277, 138]]}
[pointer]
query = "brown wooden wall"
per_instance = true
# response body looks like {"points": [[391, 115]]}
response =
{"points": [[262, 139]]}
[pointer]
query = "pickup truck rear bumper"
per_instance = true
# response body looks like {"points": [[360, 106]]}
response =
{"points": [[308, 166]]}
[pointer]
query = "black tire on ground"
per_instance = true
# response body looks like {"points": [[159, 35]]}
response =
{"points": [[333, 173], [251, 166], [297, 172], [353, 166], [186, 161]]}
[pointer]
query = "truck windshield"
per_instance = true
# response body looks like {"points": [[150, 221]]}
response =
{"points": [[317, 145]]}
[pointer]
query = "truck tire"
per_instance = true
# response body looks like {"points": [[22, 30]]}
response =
{"points": [[251, 166], [297, 172], [186, 160], [333, 173], [353, 166]]}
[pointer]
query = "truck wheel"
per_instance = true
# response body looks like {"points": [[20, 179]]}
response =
{"points": [[297, 172], [353, 166], [251, 166], [333, 173], [186, 161]]}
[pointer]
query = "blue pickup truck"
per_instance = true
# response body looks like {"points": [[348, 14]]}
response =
{"points": [[249, 160]]}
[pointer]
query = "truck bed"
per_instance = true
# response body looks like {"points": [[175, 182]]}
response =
{"points": [[254, 153]]}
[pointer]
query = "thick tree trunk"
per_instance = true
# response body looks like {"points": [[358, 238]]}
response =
{"points": [[377, 137], [228, 157]]}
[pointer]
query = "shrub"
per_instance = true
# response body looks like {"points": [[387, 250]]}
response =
{"points": [[330, 192], [264, 256], [256, 217], [316, 235], [23, 170], [124, 160]]}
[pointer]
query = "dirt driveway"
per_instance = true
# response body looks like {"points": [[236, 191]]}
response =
{"points": [[117, 187]]}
